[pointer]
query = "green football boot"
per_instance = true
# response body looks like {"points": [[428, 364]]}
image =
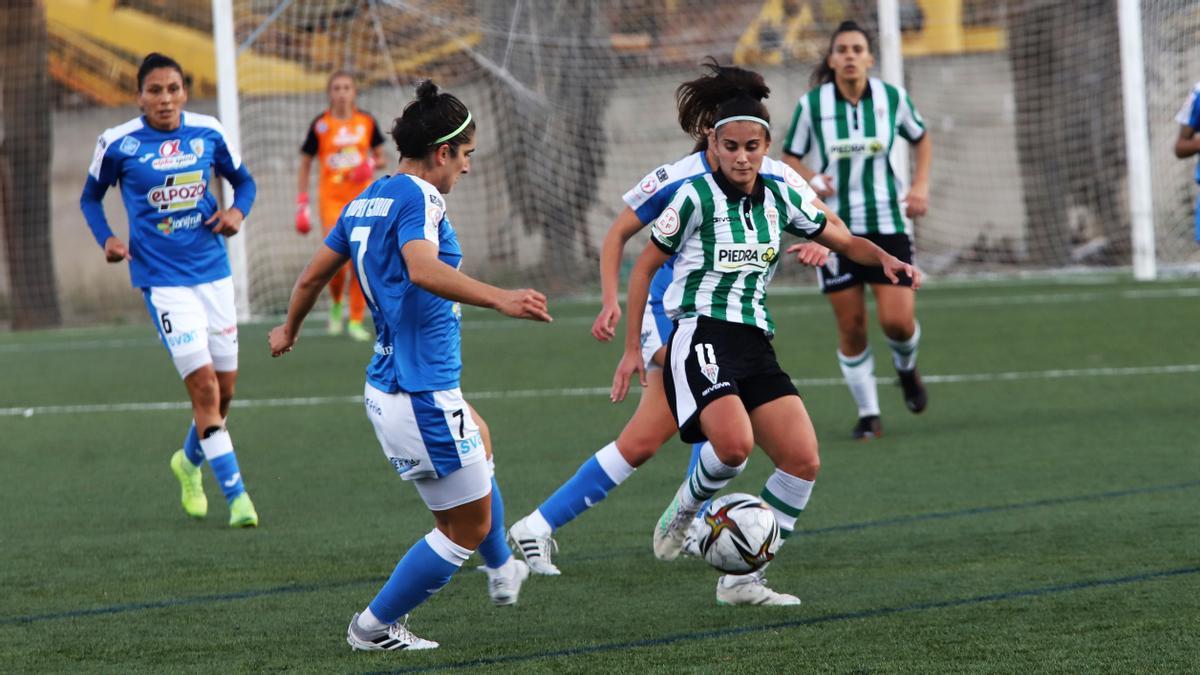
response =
{"points": [[335, 318], [195, 502], [242, 513]]}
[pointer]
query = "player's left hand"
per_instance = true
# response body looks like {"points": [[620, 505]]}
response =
{"points": [[893, 268], [810, 253], [630, 363], [280, 340], [227, 222], [916, 203]]}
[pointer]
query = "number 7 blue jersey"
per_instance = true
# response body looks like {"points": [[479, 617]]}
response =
{"points": [[417, 332]]}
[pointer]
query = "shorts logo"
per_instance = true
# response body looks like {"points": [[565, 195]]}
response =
{"points": [[403, 465], [181, 339], [831, 264], [129, 145], [178, 192], [707, 359], [668, 223]]}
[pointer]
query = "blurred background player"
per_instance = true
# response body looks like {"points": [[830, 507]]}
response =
{"points": [[722, 380], [348, 145], [651, 425], [1188, 142], [851, 122], [176, 253], [407, 257]]}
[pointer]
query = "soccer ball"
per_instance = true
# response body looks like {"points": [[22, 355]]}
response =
{"points": [[738, 534]]}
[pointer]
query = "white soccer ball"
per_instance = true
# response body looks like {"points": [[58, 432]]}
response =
{"points": [[738, 534]]}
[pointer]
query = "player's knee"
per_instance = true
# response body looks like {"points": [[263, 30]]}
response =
{"points": [[804, 463], [203, 387], [637, 448], [469, 534], [899, 330], [732, 449]]}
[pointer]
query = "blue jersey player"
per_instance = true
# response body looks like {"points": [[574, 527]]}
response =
{"points": [[407, 259], [1188, 142], [163, 162], [651, 425]]}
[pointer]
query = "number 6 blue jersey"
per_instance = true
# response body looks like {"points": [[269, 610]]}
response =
{"points": [[164, 178], [417, 332]]}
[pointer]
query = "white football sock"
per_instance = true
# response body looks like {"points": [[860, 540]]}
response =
{"points": [[859, 372]]}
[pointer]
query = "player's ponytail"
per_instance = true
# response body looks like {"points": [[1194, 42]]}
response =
{"points": [[697, 100], [823, 73], [431, 119], [154, 61]]}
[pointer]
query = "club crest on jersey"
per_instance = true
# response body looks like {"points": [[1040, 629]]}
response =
{"points": [[180, 191], [197, 145], [129, 145], [772, 215], [744, 257]]}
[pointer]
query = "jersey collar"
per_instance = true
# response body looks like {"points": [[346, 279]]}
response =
{"points": [[758, 194], [837, 93]]}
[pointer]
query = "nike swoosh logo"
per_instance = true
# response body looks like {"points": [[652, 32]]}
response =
{"points": [[233, 481], [589, 502], [146, 157]]}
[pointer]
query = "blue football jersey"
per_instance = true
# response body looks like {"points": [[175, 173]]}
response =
{"points": [[418, 334], [165, 178], [649, 197], [1189, 115]]}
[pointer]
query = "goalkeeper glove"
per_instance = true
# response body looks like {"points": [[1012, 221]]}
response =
{"points": [[364, 171], [303, 222]]}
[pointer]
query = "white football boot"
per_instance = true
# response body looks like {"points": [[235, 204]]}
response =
{"points": [[691, 541], [672, 527], [750, 589], [504, 584], [536, 550], [395, 637]]}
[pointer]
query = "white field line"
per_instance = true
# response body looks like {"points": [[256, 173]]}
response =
{"points": [[1057, 374], [817, 307]]}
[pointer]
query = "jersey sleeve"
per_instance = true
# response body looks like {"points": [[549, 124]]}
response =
{"points": [[909, 123], [803, 219], [376, 134], [229, 164], [337, 241], [797, 142], [420, 216], [311, 143], [676, 222], [1189, 114], [102, 174], [649, 197]]}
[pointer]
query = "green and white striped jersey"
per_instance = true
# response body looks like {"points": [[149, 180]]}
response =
{"points": [[728, 243], [853, 143]]}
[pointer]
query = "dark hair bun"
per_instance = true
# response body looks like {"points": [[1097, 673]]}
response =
{"points": [[427, 90]]}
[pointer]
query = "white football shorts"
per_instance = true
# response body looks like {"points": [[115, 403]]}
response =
{"points": [[432, 439], [197, 324], [656, 331]]}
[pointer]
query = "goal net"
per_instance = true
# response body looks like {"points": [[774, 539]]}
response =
{"points": [[574, 103]]}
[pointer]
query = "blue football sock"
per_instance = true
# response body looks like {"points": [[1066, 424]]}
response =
{"points": [[218, 449], [494, 547], [191, 446], [588, 487], [423, 571], [696, 447]]}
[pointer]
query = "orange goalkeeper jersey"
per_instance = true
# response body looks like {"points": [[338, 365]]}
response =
{"points": [[339, 146]]}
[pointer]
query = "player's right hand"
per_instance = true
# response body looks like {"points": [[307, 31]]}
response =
{"points": [[810, 253], [631, 362], [524, 303], [115, 250], [280, 340], [604, 328], [303, 221]]}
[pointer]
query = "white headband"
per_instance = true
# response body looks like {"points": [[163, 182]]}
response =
{"points": [[741, 118]]}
